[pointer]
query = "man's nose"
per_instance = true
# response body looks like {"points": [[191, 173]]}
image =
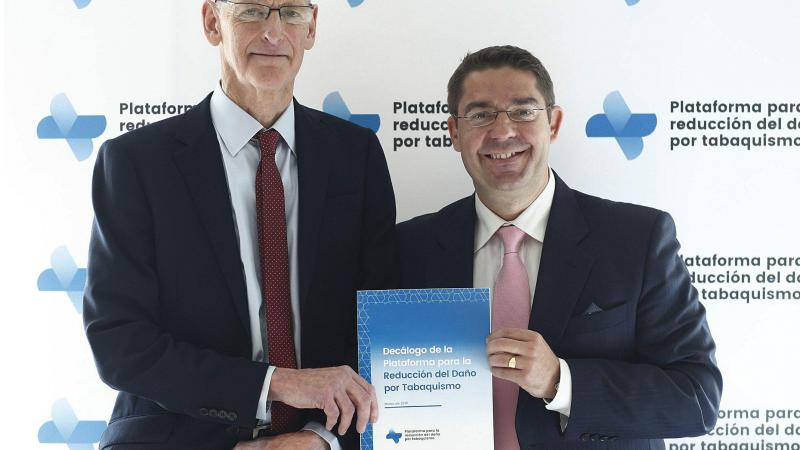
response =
{"points": [[273, 30], [503, 127]]}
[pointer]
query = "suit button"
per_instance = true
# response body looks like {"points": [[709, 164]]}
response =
{"points": [[585, 437], [203, 412], [603, 438], [233, 416], [594, 437]]}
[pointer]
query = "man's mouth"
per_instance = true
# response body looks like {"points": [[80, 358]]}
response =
{"points": [[507, 155]]}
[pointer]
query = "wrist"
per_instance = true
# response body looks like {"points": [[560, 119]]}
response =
{"points": [[280, 384], [318, 442], [553, 383]]}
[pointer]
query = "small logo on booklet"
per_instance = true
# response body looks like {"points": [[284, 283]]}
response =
{"points": [[631, 2], [65, 428], [354, 3], [64, 276], [618, 122], [394, 436], [82, 3], [334, 104], [65, 123]]}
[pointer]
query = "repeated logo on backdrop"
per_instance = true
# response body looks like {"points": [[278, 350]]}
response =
{"points": [[334, 104], [64, 276], [618, 122], [64, 123], [66, 428]]}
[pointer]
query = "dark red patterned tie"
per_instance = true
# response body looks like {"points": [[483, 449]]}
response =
{"points": [[271, 217]]}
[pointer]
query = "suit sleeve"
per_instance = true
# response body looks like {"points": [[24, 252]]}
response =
{"points": [[122, 307], [673, 387], [377, 243]]}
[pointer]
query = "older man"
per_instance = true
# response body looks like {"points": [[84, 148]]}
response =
{"points": [[227, 247], [598, 340]]}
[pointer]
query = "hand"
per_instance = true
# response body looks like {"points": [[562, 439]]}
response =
{"points": [[302, 440], [537, 369], [337, 391]]}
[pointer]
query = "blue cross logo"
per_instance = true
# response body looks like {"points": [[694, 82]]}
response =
{"points": [[618, 122]]}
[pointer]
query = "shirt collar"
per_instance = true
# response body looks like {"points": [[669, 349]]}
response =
{"points": [[236, 127], [533, 220]]}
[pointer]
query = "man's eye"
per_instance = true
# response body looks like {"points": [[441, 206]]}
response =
{"points": [[524, 113], [480, 115], [290, 13], [252, 14]]}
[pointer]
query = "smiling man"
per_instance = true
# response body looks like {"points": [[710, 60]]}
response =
{"points": [[598, 340], [227, 247]]}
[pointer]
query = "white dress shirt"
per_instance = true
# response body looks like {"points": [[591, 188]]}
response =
{"points": [[488, 258], [241, 155]]}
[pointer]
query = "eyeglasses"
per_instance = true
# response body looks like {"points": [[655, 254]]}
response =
{"points": [[483, 118], [256, 12]]}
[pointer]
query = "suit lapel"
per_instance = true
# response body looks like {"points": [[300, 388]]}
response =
{"points": [[455, 233], [314, 153], [199, 160], [564, 266]]}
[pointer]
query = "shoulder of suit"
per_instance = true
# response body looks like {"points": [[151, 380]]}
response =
{"points": [[425, 223], [337, 124], [614, 215], [152, 137]]}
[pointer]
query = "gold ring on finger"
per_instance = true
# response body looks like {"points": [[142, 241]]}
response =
{"points": [[512, 363]]}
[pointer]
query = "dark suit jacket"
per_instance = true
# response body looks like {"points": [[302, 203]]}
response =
{"points": [[643, 368], [165, 308]]}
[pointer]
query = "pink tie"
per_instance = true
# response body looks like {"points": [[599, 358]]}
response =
{"points": [[511, 308], [274, 253]]}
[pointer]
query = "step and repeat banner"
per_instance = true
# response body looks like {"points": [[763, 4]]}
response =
{"points": [[711, 88]]}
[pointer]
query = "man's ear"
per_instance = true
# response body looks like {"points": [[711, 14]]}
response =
{"points": [[556, 116], [311, 37], [211, 25], [452, 128]]}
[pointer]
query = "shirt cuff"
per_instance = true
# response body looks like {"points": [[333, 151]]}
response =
{"points": [[562, 402], [263, 403], [323, 432]]}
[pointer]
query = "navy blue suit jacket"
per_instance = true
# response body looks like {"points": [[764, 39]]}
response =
{"points": [[643, 368], [165, 307]]}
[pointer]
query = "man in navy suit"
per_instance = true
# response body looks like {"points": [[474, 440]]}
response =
{"points": [[598, 339], [227, 247]]}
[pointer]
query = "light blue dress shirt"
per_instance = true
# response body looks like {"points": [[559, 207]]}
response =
{"points": [[241, 155]]}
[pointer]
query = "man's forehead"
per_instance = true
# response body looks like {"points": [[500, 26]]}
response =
{"points": [[492, 86], [275, 3]]}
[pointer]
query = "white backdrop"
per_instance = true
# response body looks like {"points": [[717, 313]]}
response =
{"points": [[727, 200]]}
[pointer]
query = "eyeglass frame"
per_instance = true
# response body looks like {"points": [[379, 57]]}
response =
{"points": [[508, 113], [269, 8]]}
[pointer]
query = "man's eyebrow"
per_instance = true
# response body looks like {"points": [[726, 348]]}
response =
{"points": [[514, 102], [525, 101], [476, 104]]}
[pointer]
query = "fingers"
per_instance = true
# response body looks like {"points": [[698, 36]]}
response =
{"points": [[346, 410], [502, 359], [331, 410], [340, 393], [508, 346], [373, 397], [518, 334], [515, 376], [362, 401]]}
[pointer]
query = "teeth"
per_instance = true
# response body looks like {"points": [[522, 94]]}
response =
{"points": [[502, 155]]}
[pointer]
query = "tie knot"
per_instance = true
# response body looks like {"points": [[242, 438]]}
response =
{"points": [[268, 141], [511, 237]]}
